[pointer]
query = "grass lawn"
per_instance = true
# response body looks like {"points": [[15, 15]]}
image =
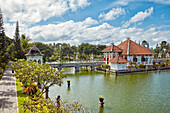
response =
{"points": [[20, 96], [1, 76]]}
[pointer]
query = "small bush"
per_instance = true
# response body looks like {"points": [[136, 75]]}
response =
{"points": [[141, 66], [157, 64], [149, 65], [133, 63], [168, 63], [154, 65], [136, 66], [129, 66], [101, 97], [105, 66], [163, 64]]}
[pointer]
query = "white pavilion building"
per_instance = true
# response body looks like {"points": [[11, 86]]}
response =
{"points": [[34, 54]]}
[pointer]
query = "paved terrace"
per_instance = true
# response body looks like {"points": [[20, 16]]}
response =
{"points": [[8, 93]]}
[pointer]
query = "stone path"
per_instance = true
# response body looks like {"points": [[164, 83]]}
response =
{"points": [[8, 93]]}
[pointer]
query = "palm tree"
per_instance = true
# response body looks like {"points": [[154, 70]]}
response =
{"points": [[163, 45], [24, 43], [145, 43]]}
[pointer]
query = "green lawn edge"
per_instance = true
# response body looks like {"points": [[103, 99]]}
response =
{"points": [[20, 97]]}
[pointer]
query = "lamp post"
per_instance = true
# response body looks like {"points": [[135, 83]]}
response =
{"points": [[59, 59], [76, 56]]}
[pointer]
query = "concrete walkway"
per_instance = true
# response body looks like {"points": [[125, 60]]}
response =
{"points": [[8, 93]]}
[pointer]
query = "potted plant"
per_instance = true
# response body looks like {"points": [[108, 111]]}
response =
{"points": [[101, 98], [68, 82]]}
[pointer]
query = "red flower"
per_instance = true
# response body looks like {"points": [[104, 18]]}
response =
{"points": [[26, 90]]}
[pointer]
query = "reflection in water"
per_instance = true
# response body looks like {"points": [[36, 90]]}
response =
{"points": [[101, 109], [145, 92], [115, 78], [68, 89]]}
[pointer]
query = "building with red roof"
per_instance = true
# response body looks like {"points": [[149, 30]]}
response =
{"points": [[126, 52]]}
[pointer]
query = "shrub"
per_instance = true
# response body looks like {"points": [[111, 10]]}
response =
{"points": [[141, 66], [129, 66], [136, 66], [30, 90], [154, 65], [163, 64], [157, 64], [149, 65], [105, 66], [101, 97], [168, 63], [133, 63]]}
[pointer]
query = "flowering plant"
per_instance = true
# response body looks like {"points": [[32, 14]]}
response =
{"points": [[30, 90]]}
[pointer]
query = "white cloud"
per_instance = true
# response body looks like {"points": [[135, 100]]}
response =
{"points": [[33, 11], [62, 31], [140, 16], [112, 14], [126, 2], [89, 31], [161, 1]]}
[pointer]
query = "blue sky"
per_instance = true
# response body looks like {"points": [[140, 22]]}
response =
{"points": [[92, 21]]}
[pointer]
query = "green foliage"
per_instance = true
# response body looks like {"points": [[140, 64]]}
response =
{"points": [[48, 106], [29, 72], [149, 65], [105, 66], [3, 45], [141, 66], [89, 48], [163, 64], [101, 97], [162, 47], [145, 44], [11, 51], [133, 63], [21, 96], [44, 48], [24, 43]]}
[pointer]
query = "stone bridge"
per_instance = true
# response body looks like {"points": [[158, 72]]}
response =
{"points": [[77, 65]]}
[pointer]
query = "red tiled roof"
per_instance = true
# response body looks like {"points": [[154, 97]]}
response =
{"points": [[118, 59], [115, 49], [134, 49]]}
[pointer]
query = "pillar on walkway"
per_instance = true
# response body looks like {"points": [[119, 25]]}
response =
{"points": [[92, 68], [77, 69]]}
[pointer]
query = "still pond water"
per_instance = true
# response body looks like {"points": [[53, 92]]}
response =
{"points": [[137, 93]]}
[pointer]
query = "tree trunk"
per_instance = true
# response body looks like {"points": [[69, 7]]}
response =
{"points": [[46, 92]]}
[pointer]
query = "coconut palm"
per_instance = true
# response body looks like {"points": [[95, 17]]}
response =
{"points": [[145, 43]]}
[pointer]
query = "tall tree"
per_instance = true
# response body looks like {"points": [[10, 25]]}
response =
{"points": [[3, 54], [18, 50]]}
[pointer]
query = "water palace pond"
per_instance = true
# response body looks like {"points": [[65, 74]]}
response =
{"points": [[146, 92]]}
